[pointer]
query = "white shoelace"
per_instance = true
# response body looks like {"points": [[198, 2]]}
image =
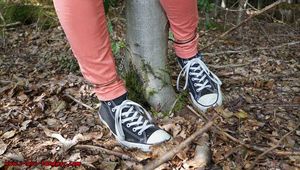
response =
{"points": [[190, 69], [136, 119]]}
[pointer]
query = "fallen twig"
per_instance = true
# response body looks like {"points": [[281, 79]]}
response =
{"points": [[200, 115], [252, 49], [5, 81], [167, 156], [255, 148], [273, 105], [273, 147], [229, 65], [243, 22], [79, 102], [10, 25], [107, 151], [173, 105]]}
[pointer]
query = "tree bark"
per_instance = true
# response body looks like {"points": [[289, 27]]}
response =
{"points": [[216, 10], [287, 14], [259, 4], [242, 5], [147, 36], [223, 4]]}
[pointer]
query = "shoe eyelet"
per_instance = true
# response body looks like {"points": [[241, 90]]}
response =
{"points": [[113, 109], [109, 103], [134, 129], [139, 134], [194, 84], [127, 125]]}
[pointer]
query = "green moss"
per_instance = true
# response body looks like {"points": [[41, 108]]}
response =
{"points": [[135, 88], [182, 100], [151, 92]]}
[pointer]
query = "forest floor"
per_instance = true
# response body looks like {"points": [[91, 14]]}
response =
{"points": [[40, 83]]}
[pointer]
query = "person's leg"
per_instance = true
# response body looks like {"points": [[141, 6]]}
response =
{"points": [[203, 85], [183, 19], [85, 26], [84, 23]]}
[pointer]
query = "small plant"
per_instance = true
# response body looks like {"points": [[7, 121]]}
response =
{"points": [[207, 7], [182, 100], [68, 63]]}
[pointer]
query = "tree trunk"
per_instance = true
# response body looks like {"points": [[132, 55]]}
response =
{"points": [[242, 5], [259, 4], [287, 14], [147, 35], [217, 4], [223, 4]]}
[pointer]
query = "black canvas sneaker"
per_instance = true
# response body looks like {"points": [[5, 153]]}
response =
{"points": [[204, 86], [131, 124]]}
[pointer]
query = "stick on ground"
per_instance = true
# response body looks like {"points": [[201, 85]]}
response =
{"points": [[79, 102], [252, 49], [107, 151], [167, 156]]}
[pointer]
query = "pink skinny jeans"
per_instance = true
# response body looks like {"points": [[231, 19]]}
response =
{"points": [[84, 24]]}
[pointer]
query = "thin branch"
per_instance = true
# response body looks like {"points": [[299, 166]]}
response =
{"points": [[5, 81], [231, 10], [107, 151], [274, 105], [173, 105], [273, 147], [252, 49], [229, 65], [79, 102], [10, 25], [243, 22], [167, 156], [200, 115], [3, 31]]}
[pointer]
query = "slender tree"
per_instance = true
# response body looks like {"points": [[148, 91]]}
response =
{"points": [[147, 35]]}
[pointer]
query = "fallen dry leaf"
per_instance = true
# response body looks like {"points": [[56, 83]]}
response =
{"points": [[9, 134], [17, 156], [24, 125], [3, 147], [241, 114], [75, 157], [66, 143]]}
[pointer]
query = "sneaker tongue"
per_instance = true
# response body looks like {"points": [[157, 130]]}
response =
{"points": [[120, 99]]}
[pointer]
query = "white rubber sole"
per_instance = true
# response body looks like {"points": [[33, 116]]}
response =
{"points": [[202, 108], [143, 147]]}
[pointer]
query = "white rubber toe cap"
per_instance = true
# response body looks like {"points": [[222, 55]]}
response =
{"points": [[158, 136], [208, 100]]}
